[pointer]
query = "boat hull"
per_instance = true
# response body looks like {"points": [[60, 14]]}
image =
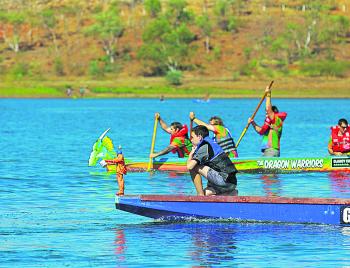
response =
{"points": [[238, 208], [248, 165]]}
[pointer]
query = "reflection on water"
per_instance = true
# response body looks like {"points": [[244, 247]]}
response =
{"points": [[119, 243], [227, 244], [213, 243], [271, 185], [346, 231], [340, 182]]}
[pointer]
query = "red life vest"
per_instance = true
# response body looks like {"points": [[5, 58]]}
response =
{"points": [[181, 134], [268, 122], [340, 143], [281, 115]]}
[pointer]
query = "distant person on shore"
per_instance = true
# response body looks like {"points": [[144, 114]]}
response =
{"points": [[271, 130], [179, 141], [161, 98], [222, 135], [207, 159], [69, 91], [82, 91], [339, 142], [206, 98]]}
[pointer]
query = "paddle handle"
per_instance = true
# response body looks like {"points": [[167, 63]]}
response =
{"points": [[153, 143], [252, 117]]}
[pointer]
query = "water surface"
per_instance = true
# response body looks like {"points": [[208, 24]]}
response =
{"points": [[56, 211]]}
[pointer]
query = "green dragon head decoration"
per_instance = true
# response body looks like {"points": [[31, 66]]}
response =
{"points": [[102, 149]]}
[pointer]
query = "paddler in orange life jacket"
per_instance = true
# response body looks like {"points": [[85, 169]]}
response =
{"points": [[179, 141], [120, 169], [339, 142], [223, 136], [271, 130]]}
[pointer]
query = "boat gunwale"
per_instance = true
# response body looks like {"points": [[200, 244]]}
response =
{"points": [[243, 199]]}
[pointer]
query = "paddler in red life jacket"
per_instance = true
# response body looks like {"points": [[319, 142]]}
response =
{"points": [[222, 135], [339, 142], [271, 130], [179, 141], [120, 169]]}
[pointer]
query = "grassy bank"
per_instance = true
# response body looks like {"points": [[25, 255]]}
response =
{"points": [[191, 88]]}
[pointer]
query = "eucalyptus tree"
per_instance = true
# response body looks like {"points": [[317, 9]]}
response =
{"points": [[49, 19], [177, 12], [108, 27], [153, 7], [224, 11], [206, 27], [13, 22], [167, 39]]}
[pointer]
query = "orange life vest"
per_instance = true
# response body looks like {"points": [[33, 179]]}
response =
{"points": [[120, 164], [340, 143]]}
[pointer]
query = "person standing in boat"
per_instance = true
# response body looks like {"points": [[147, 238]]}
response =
{"points": [[179, 141], [222, 135], [339, 142], [120, 169], [271, 130], [209, 160]]}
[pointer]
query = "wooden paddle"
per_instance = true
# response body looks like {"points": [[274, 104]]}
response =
{"points": [[153, 143], [252, 117]]}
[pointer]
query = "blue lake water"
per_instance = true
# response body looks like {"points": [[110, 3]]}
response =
{"points": [[56, 211]]}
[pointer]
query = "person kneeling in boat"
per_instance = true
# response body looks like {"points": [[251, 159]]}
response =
{"points": [[209, 160], [339, 143], [120, 169], [271, 130], [222, 134], [179, 141]]}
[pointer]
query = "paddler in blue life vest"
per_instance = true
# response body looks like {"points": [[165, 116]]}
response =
{"points": [[222, 135], [209, 160], [179, 141], [120, 169]]}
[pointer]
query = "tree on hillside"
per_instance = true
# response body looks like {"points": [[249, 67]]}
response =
{"points": [[177, 13], [224, 11], [49, 20], [153, 7], [167, 39], [108, 27], [12, 26], [206, 27]]}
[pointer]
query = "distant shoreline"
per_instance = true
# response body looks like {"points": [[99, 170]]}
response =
{"points": [[198, 87]]}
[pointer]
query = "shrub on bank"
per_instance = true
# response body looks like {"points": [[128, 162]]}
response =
{"points": [[174, 77], [325, 68]]}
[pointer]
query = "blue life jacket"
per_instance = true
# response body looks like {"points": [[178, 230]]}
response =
{"points": [[218, 159], [217, 150]]}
